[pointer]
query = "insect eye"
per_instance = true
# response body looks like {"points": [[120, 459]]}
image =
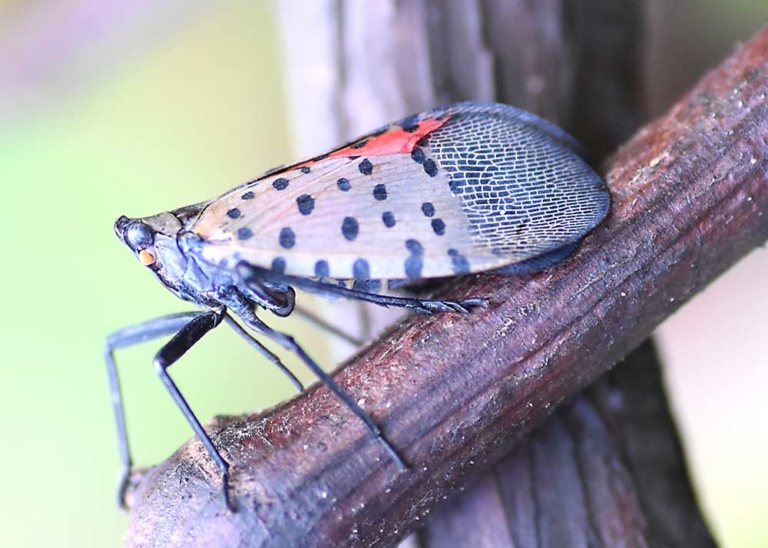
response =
{"points": [[139, 235], [147, 257]]}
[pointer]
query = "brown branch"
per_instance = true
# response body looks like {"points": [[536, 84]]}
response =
{"points": [[454, 393], [606, 470]]}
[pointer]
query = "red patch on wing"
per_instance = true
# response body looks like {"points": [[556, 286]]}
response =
{"points": [[393, 141]]}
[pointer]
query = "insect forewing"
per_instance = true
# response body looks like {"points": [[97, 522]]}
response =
{"points": [[466, 188]]}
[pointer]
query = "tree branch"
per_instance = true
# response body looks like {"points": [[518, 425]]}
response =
{"points": [[454, 393], [606, 470]]}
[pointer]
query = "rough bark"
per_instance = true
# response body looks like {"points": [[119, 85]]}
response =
{"points": [[606, 470]]}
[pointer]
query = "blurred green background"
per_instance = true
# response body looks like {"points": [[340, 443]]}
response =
{"points": [[110, 109]]}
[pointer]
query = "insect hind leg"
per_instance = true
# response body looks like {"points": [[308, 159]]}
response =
{"points": [[250, 319], [251, 274], [421, 306]]}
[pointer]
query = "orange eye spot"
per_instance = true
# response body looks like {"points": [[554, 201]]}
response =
{"points": [[146, 257]]}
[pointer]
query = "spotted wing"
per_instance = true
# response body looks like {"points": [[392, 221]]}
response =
{"points": [[466, 188]]}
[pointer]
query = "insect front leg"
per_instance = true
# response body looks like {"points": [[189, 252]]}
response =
{"points": [[174, 349], [287, 342], [123, 338]]}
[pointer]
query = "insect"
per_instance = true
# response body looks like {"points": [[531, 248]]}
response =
{"points": [[465, 188]]}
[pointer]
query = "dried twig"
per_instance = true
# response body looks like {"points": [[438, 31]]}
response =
{"points": [[606, 470]]}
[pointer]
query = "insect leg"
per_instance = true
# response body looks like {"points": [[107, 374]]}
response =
{"points": [[174, 349], [322, 324], [254, 275], [130, 336], [287, 342], [422, 306], [264, 351], [280, 299]]}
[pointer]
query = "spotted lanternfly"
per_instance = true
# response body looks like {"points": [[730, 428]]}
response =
{"points": [[465, 188]]}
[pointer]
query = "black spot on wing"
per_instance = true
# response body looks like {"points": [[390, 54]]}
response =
{"points": [[380, 192], [366, 167], [388, 218], [361, 270], [343, 184], [414, 264], [278, 265], [430, 168], [350, 228], [287, 238], [438, 226], [414, 246], [428, 209], [280, 183], [247, 196], [306, 204], [410, 124], [233, 213], [244, 233], [322, 270]]}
